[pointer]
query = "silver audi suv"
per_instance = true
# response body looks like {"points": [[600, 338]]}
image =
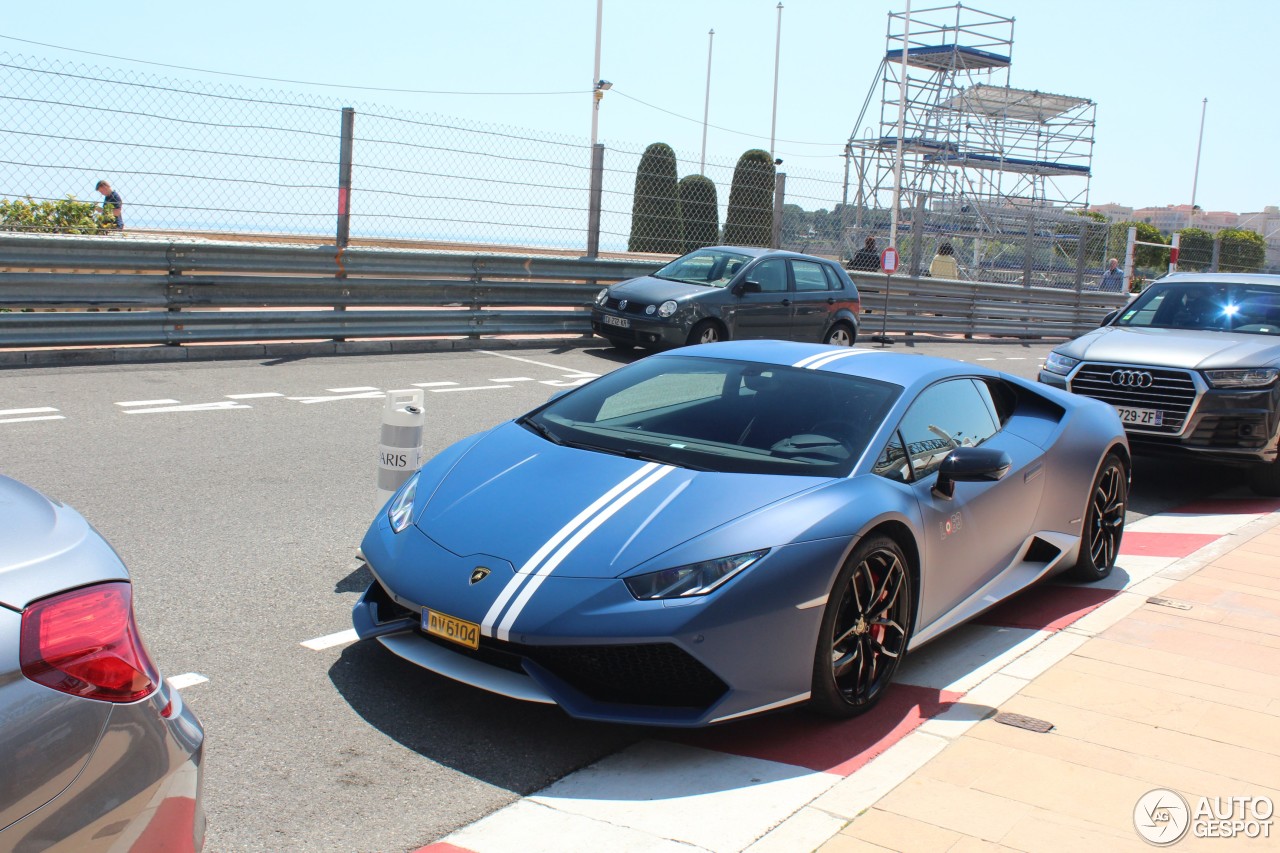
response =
{"points": [[1191, 366]]}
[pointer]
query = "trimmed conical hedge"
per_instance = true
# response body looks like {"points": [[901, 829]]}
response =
{"points": [[749, 221], [655, 208], [699, 211]]}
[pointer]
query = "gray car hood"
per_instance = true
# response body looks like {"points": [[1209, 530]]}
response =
{"points": [[46, 547], [1192, 349], [657, 290]]}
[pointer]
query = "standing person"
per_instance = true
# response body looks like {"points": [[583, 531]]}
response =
{"points": [[866, 259], [111, 203], [944, 263], [1113, 279]]}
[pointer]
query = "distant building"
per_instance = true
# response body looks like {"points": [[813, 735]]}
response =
{"points": [[1113, 212], [1267, 223]]}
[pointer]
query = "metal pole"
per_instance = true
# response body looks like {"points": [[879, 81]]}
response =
{"points": [[902, 123], [777, 55], [779, 197], [593, 212], [344, 176], [1204, 106], [596, 93], [706, 105], [1130, 240]]}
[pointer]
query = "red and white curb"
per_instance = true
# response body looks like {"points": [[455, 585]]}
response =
{"points": [[791, 781]]}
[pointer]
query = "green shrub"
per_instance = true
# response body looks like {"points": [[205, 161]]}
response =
{"points": [[699, 211], [65, 216], [749, 220], [655, 208]]}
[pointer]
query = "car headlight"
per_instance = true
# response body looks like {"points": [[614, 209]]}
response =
{"points": [[694, 579], [1060, 364], [1249, 377], [400, 511], [602, 295], [667, 308]]}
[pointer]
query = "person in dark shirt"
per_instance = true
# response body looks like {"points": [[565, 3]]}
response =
{"points": [[111, 203], [1113, 279], [866, 259]]}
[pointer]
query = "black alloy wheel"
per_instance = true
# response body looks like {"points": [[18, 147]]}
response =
{"points": [[865, 629], [1103, 522]]}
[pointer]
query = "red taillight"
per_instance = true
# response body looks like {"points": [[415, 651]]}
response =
{"points": [[85, 642]]}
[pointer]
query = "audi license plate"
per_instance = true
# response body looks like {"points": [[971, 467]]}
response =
{"points": [[451, 628], [620, 322], [1141, 417]]}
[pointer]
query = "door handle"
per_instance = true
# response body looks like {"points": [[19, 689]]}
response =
{"points": [[831, 300], [786, 302]]}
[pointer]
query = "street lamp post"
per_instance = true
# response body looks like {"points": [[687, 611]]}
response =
{"points": [[597, 89], [706, 104], [1195, 179], [777, 54]]}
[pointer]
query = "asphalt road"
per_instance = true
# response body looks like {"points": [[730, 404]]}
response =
{"points": [[237, 492]]}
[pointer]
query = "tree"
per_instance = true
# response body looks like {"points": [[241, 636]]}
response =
{"points": [[1195, 249], [1143, 256], [1242, 251], [655, 207], [65, 216], [699, 212], [749, 221]]}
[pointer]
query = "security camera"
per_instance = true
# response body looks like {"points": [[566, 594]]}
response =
{"points": [[778, 162], [604, 84]]}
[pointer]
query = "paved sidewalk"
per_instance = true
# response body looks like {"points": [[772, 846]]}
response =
{"points": [[1181, 694], [1164, 676]]}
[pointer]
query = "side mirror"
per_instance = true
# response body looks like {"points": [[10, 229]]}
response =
{"points": [[749, 286], [1111, 315], [970, 465]]}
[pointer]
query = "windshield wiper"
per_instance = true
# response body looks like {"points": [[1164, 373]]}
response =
{"points": [[540, 429]]}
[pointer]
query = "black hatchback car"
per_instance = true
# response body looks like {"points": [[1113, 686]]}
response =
{"points": [[721, 293]]}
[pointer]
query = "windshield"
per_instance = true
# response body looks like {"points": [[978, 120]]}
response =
{"points": [[719, 415], [712, 267], [1237, 307]]}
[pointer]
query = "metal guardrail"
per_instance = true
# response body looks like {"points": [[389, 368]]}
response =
{"points": [[195, 291]]}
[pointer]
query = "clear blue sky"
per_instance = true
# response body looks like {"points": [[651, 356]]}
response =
{"points": [[1147, 64]]}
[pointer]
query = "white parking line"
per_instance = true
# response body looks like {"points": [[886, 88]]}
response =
{"points": [[986, 359], [351, 390], [148, 403], [191, 407], [432, 384], [473, 388], [33, 418], [556, 367], [366, 395], [1015, 358], [187, 679], [330, 640], [27, 411], [514, 379], [253, 396]]}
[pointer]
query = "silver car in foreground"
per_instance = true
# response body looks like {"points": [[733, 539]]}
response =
{"points": [[1191, 365], [97, 752]]}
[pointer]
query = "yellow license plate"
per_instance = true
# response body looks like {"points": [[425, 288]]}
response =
{"points": [[451, 628]]}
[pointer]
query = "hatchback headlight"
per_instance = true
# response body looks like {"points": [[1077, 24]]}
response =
{"points": [[667, 308], [1060, 364], [400, 511], [1249, 377], [694, 579], [602, 296]]}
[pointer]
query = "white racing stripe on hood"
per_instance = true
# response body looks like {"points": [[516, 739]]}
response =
{"points": [[523, 574], [504, 628], [814, 362]]}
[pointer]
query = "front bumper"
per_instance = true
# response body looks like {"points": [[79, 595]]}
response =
{"points": [[641, 330]]}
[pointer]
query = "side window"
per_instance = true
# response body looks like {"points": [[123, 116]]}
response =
{"points": [[772, 275], [809, 276], [951, 414], [892, 464], [834, 281]]}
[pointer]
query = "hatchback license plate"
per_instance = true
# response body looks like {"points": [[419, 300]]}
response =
{"points": [[1141, 417], [620, 322], [451, 628]]}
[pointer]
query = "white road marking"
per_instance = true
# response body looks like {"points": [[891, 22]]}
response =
{"points": [[330, 640], [191, 407], [187, 679], [33, 418], [1015, 358], [351, 390], [148, 403], [432, 384], [556, 367], [986, 359], [253, 396], [514, 379], [38, 411], [567, 383], [474, 388], [368, 395]]}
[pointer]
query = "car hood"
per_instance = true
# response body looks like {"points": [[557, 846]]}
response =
{"points": [[1195, 350], [657, 290], [527, 501], [46, 547]]}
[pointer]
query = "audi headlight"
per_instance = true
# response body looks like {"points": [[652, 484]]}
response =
{"points": [[602, 295], [667, 308], [1060, 364], [694, 579], [1249, 377], [400, 511]]}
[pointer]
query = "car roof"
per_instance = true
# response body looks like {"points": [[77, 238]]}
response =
{"points": [[899, 368], [1220, 278], [758, 252]]}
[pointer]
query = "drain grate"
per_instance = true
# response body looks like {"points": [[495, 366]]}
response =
{"points": [[1020, 721]]}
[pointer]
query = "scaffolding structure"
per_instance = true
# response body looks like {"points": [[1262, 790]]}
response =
{"points": [[972, 156]]}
